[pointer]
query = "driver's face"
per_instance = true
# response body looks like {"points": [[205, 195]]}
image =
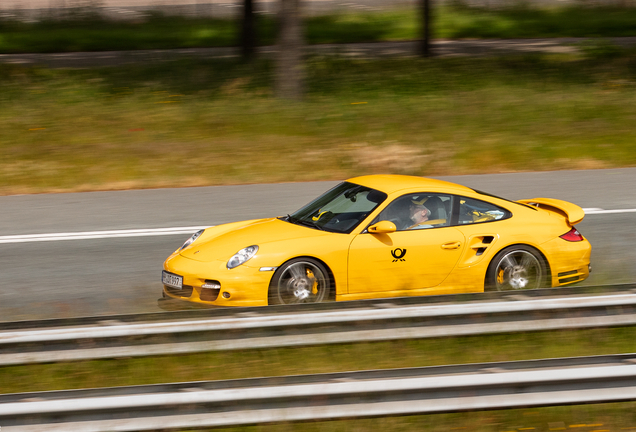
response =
{"points": [[419, 212]]}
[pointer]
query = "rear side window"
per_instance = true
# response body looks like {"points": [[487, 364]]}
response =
{"points": [[473, 211]]}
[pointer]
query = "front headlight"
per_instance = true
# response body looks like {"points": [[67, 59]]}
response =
{"points": [[191, 240], [241, 256]]}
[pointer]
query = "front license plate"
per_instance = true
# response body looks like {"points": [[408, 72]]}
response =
{"points": [[172, 280]]}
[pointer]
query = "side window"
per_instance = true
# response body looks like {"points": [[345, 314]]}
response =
{"points": [[475, 211], [418, 211]]}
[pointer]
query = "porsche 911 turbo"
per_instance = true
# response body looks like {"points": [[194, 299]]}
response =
{"points": [[383, 236]]}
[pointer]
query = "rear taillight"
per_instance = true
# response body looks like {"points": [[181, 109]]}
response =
{"points": [[573, 235]]}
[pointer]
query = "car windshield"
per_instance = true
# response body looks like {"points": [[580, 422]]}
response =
{"points": [[339, 210]]}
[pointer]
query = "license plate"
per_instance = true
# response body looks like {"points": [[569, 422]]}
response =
{"points": [[172, 280]]}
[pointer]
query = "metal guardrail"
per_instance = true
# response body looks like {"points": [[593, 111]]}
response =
{"points": [[326, 396], [346, 322]]}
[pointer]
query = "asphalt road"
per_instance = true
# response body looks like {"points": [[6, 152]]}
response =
{"points": [[105, 274]]}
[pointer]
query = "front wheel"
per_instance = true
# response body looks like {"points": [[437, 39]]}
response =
{"points": [[516, 268], [301, 280]]}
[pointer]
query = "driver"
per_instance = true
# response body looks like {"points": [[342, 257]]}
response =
{"points": [[418, 214]]}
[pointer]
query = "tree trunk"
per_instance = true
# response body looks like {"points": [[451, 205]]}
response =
{"points": [[289, 67], [248, 31], [425, 44]]}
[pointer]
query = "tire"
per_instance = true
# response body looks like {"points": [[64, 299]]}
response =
{"points": [[300, 280], [516, 268]]}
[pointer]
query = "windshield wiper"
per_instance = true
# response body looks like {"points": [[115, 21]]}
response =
{"points": [[297, 221], [309, 224], [289, 218]]}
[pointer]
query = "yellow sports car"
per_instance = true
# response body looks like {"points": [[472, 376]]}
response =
{"points": [[383, 236]]}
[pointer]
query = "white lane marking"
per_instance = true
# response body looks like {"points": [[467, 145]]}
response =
{"points": [[601, 211], [88, 235], [26, 238]]}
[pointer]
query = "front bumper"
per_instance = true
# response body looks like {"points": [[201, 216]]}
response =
{"points": [[240, 286]]}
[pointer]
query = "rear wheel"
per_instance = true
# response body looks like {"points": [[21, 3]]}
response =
{"points": [[301, 280], [516, 268]]}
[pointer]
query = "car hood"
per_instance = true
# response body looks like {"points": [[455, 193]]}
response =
{"points": [[258, 232]]}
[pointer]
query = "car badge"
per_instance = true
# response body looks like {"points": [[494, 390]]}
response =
{"points": [[398, 254]]}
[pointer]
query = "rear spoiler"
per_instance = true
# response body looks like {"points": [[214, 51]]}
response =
{"points": [[573, 213]]}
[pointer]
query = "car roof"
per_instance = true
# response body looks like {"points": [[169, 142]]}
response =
{"points": [[390, 183]]}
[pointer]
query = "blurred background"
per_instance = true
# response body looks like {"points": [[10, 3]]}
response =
{"points": [[136, 9], [133, 9], [123, 115]]}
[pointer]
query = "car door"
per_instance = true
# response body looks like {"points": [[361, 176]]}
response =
{"points": [[478, 222], [410, 258]]}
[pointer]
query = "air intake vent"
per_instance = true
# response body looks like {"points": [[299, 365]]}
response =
{"points": [[185, 291]]}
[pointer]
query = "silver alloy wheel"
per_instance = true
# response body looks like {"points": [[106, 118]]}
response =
{"points": [[518, 269], [302, 282]]}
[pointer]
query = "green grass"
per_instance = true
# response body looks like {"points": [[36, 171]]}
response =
{"points": [[362, 356], [199, 122], [528, 22], [93, 33], [577, 418]]}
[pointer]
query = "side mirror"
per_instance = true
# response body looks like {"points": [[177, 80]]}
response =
{"points": [[382, 227]]}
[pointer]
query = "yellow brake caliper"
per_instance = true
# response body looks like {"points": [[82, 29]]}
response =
{"points": [[314, 288], [500, 276]]}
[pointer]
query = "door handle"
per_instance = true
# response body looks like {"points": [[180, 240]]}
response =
{"points": [[452, 245]]}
